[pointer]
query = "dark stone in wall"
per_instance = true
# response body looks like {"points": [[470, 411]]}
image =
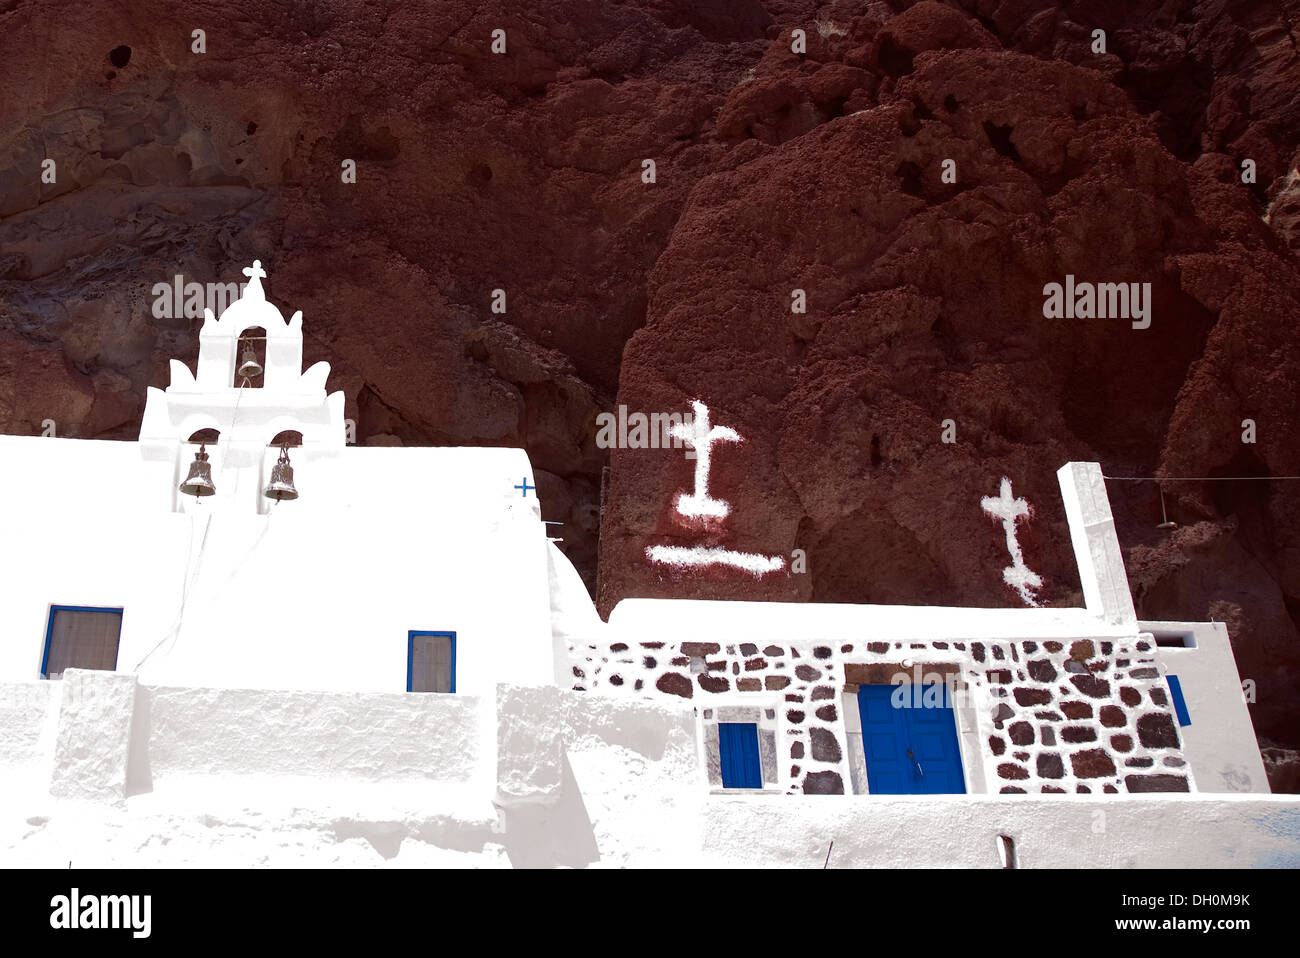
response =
{"points": [[1052, 789], [823, 783], [1078, 733], [1011, 770], [775, 683], [998, 676], [1112, 716], [977, 651], [618, 647], [1041, 670], [1020, 756], [825, 747], [1155, 783], [1156, 730], [748, 648], [701, 649], [1029, 647], [1075, 667], [796, 750], [1028, 697], [681, 661], [1145, 672], [997, 745], [774, 651], [1048, 735], [1173, 761], [755, 665], [649, 662], [1076, 710], [616, 680], [998, 653], [1093, 763], [1121, 743], [794, 716], [807, 673], [823, 692], [822, 652], [1091, 686], [1011, 790], [674, 683], [1158, 696], [1053, 646], [1002, 713], [749, 685], [1139, 762], [1021, 733], [877, 646], [827, 713], [714, 683], [1050, 765], [1082, 649], [1129, 696]]}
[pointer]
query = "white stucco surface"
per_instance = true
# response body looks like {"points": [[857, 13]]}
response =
{"points": [[630, 791]]}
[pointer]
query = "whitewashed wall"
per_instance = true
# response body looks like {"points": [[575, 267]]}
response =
{"points": [[318, 594], [603, 782]]}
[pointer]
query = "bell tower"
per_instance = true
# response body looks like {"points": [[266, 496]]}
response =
{"points": [[242, 413]]}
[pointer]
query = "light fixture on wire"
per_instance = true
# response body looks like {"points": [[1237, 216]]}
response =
{"points": [[1166, 522]]}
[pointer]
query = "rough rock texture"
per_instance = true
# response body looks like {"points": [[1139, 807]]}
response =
{"points": [[774, 171]]}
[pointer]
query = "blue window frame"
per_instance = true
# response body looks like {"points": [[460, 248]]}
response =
{"points": [[738, 750], [80, 637], [1180, 704], [430, 661]]}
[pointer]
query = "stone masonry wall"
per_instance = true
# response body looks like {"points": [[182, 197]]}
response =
{"points": [[1083, 715]]}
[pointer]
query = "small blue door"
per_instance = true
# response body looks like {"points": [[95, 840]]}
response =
{"points": [[910, 745], [738, 745]]}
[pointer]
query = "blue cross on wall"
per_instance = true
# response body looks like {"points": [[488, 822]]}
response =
{"points": [[524, 487]]}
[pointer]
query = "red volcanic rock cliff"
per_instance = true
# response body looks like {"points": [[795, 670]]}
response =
{"points": [[775, 170]]}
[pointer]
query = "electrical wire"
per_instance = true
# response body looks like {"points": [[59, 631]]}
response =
{"points": [[1197, 478]]}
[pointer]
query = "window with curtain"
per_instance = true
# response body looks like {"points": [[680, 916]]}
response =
{"points": [[81, 638], [431, 662]]}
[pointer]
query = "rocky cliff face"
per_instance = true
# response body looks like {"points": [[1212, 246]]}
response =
{"points": [[774, 171]]}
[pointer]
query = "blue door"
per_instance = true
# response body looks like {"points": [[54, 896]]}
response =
{"points": [[738, 745], [910, 745]]}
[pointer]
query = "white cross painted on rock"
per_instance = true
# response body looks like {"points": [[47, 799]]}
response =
{"points": [[701, 438], [1017, 575]]}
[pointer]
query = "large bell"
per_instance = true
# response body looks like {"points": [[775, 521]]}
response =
{"points": [[249, 367], [281, 485], [199, 481]]}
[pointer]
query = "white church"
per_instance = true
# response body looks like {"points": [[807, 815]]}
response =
{"points": [[232, 642]]}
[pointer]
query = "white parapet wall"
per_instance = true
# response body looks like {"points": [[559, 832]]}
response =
{"points": [[534, 777]]}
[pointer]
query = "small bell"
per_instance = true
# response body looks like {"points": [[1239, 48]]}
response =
{"points": [[249, 367], [199, 481], [281, 485]]}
